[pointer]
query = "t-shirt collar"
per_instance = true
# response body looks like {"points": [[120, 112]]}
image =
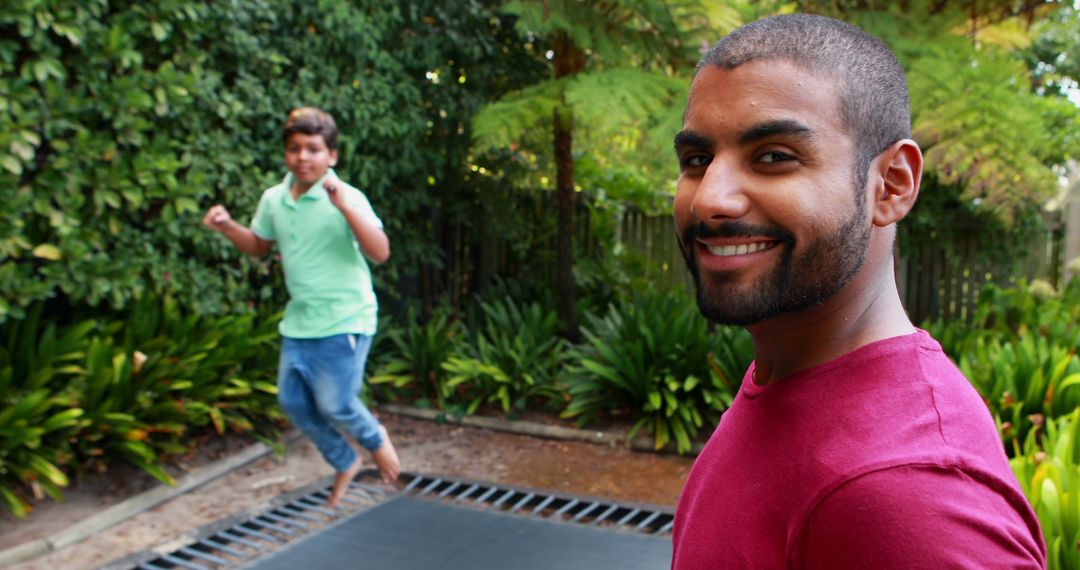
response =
{"points": [[316, 192]]}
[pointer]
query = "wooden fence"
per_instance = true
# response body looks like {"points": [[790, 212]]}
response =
{"points": [[932, 282]]}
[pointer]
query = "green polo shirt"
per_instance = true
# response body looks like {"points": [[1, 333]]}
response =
{"points": [[327, 275]]}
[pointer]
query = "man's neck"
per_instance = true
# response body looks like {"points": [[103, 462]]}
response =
{"points": [[862, 313]]}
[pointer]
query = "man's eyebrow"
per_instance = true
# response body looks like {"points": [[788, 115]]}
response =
{"points": [[692, 139], [778, 127]]}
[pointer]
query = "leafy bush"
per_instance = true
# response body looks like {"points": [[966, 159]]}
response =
{"points": [[408, 362], [37, 417], [1020, 353], [514, 358], [1023, 382], [89, 394], [121, 122], [654, 356], [1049, 473]]}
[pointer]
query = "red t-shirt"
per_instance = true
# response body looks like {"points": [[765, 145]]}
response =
{"points": [[883, 458]]}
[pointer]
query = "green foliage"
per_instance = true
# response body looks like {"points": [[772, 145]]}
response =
{"points": [[654, 357], [119, 125], [87, 395], [513, 359], [988, 136], [1020, 353], [1049, 473], [409, 366]]}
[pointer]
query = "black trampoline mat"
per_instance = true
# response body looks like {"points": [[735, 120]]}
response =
{"points": [[406, 533]]}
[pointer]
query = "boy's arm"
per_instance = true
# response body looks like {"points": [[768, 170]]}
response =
{"points": [[372, 239], [218, 219]]}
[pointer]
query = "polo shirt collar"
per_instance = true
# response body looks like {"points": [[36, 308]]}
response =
{"points": [[316, 192]]}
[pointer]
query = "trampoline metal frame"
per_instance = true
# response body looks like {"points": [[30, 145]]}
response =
{"points": [[234, 543]]}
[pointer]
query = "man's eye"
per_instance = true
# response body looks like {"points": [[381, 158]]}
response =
{"points": [[695, 161], [774, 157]]}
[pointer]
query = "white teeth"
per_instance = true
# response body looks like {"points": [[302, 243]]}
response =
{"points": [[741, 249]]}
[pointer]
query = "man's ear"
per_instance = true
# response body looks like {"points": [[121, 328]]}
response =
{"points": [[333, 158], [900, 171]]}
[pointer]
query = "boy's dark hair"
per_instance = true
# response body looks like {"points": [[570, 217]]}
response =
{"points": [[311, 121], [873, 95]]}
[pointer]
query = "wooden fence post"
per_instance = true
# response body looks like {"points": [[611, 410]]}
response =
{"points": [[1072, 231]]}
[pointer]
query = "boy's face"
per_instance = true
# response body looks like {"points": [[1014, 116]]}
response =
{"points": [[308, 158]]}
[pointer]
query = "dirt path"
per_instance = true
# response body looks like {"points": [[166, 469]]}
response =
{"points": [[425, 447]]}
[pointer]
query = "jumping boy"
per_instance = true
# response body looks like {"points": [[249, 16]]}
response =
{"points": [[324, 229]]}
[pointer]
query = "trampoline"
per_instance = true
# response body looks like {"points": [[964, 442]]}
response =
{"points": [[432, 522]]}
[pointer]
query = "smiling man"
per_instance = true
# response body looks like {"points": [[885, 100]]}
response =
{"points": [[853, 442]]}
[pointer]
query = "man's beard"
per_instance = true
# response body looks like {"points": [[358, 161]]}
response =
{"points": [[799, 281]]}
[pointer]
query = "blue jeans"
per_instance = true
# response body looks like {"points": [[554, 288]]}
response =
{"points": [[319, 382]]}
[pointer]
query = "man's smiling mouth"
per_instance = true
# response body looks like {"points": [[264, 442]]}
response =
{"points": [[740, 249]]}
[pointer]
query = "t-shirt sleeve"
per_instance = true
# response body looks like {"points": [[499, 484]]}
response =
{"points": [[359, 201], [914, 517], [262, 223]]}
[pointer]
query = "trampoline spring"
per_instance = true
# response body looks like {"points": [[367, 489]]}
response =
{"points": [[648, 520], [522, 502], [465, 494], [215, 545], [415, 481], [306, 502], [151, 566], [431, 487], [350, 500], [196, 553], [449, 489], [569, 505], [547, 501], [486, 495], [241, 540], [607, 513], [361, 493], [505, 497], [667, 527], [583, 512], [372, 489], [255, 521], [181, 562], [633, 513], [267, 537], [298, 514], [323, 497], [285, 520]]}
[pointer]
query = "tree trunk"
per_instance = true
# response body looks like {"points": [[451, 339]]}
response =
{"points": [[569, 60], [566, 200]]}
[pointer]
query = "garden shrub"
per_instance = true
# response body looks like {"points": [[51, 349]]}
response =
{"points": [[1020, 353], [1049, 473], [121, 123], [513, 358], [653, 357], [138, 389], [407, 361]]}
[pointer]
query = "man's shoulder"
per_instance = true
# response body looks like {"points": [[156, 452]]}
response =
{"points": [[953, 511]]}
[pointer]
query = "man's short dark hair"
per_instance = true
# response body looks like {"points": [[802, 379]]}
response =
{"points": [[874, 96], [311, 121]]}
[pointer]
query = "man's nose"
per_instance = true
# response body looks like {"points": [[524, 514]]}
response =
{"points": [[721, 193]]}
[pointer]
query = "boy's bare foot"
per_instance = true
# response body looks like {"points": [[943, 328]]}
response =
{"points": [[386, 458], [341, 482]]}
